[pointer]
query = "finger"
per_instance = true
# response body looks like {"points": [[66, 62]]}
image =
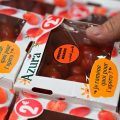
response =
{"points": [[106, 33]]}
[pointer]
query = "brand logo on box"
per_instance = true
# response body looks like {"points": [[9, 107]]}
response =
{"points": [[28, 108], [32, 67]]}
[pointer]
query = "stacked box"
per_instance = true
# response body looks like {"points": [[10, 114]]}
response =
{"points": [[55, 109], [18, 30], [62, 65], [6, 102]]}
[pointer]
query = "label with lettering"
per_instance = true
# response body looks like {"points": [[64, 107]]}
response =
{"points": [[66, 53], [51, 22], [28, 108], [103, 78], [9, 55]]}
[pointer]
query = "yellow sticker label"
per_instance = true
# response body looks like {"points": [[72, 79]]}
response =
{"points": [[9, 55], [103, 78]]}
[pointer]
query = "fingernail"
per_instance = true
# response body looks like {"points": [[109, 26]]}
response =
{"points": [[94, 30]]}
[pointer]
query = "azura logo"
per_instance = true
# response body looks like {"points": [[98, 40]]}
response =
{"points": [[32, 67]]}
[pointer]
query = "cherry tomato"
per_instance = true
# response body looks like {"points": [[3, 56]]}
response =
{"points": [[51, 71], [6, 32], [48, 55], [78, 78], [90, 54], [62, 68], [76, 69]]}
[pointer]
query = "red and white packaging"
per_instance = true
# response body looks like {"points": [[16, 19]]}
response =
{"points": [[6, 99], [75, 11], [60, 3], [22, 111], [111, 7], [50, 67], [14, 48]]}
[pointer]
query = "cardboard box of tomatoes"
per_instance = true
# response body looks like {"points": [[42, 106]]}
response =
{"points": [[6, 102], [33, 6], [81, 11], [60, 64], [89, 11], [29, 106], [18, 29], [60, 3]]}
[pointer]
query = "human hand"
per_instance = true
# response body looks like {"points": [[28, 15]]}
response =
{"points": [[105, 34]]}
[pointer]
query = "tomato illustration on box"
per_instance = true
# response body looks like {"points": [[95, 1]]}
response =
{"points": [[6, 98], [34, 6], [64, 66], [40, 108], [16, 36]]}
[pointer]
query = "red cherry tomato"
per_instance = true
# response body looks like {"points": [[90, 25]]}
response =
{"points": [[78, 78], [80, 111], [51, 71], [54, 74], [87, 63], [90, 54], [62, 68], [106, 115], [7, 32], [48, 54], [75, 69]]}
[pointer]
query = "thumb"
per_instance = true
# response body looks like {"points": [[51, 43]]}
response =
{"points": [[106, 33]]}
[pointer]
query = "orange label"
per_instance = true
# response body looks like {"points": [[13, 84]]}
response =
{"points": [[9, 55], [66, 53], [103, 78]]}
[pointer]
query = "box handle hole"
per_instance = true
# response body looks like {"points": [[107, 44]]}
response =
{"points": [[43, 91]]}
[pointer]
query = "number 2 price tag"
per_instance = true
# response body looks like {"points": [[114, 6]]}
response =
{"points": [[28, 108], [51, 22]]}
